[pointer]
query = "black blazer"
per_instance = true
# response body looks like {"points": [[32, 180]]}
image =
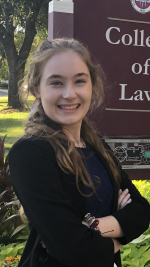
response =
{"points": [[56, 209]]}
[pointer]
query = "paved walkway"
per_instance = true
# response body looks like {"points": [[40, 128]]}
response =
{"points": [[3, 92]]}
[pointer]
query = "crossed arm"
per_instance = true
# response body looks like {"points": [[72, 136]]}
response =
{"points": [[37, 200], [109, 223]]}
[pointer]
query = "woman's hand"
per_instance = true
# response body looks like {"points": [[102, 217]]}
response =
{"points": [[117, 245], [43, 246], [123, 198]]}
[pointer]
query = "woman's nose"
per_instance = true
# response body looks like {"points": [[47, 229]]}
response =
{"points": [[69, 92]]}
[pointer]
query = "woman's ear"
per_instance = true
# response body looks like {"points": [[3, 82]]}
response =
{"points": [[36, 92]]}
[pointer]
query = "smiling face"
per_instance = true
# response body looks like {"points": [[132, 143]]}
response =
{"points": [[65, 83]]}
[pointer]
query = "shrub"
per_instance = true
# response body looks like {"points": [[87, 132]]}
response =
{"points": [[137, 253], [4, 85], [10, 261], [11, 225]]}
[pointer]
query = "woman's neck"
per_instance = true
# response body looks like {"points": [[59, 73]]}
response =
{"points": [[82, 144], [73, 133]]}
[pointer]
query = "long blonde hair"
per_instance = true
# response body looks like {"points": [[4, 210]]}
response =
{"points": [[38, 124]]}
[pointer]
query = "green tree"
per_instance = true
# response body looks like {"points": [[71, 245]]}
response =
{"points": [[20, 21]]}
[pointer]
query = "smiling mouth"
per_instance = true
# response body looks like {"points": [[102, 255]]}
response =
{"points": [[69, 107]]}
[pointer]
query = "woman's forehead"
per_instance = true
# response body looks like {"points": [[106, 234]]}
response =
{"points": [[65, 62]]}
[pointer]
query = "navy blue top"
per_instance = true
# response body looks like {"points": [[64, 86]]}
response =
{"points": [[104, 190]]}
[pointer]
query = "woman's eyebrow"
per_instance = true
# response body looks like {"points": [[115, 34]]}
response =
{"points": [[81, 74], [55, 76], [60, 76]]}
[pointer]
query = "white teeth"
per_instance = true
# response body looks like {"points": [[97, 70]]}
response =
{"points": [[67, 107]]}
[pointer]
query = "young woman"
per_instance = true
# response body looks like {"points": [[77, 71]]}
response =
{"points": [[62, 169]]}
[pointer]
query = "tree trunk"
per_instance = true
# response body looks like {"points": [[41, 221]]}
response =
{"points": [[16, 64], [16, 71], [16, 61], [15, 75]]}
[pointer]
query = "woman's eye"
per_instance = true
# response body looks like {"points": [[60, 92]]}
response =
{"points": [[80, 81], [56, 83]]}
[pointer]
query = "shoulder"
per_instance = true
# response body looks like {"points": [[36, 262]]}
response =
{"points": [[31, 147]]}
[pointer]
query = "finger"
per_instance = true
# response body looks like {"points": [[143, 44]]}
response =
{"points": [[125, 199], [123, 204], [128, 202], [43, 246], [122, 195], [120, 191]]}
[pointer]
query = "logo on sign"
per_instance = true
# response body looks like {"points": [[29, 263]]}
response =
{"points": [[141, 6], [120, 153]]}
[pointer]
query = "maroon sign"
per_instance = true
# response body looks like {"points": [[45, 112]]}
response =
{"points": [[118, 37]]}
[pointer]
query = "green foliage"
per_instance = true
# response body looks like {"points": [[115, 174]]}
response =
{"points": [[15, 13], [3, 65], [12, 123], [13, 237], [10, 222], [20, 21], [137, 253], [42, 34], [19, 28], [144, 188], [3, 84], [11, 250], [3, 71], [12, 264]]}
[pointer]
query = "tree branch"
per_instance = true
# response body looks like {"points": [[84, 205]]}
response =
{"points": [[37, 5], [40, 24], [30, 30], [7, 40], [9, 12]]}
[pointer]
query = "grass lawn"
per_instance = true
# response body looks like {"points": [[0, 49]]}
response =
{"points": [[12, 124]]}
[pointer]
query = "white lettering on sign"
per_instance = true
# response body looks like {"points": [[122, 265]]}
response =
{"points": [[137, 37], [147, 95], [127, 39], [137, 67], [123, 88], [146, 67], [148, 41], [138, 95], [108, 35]]}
